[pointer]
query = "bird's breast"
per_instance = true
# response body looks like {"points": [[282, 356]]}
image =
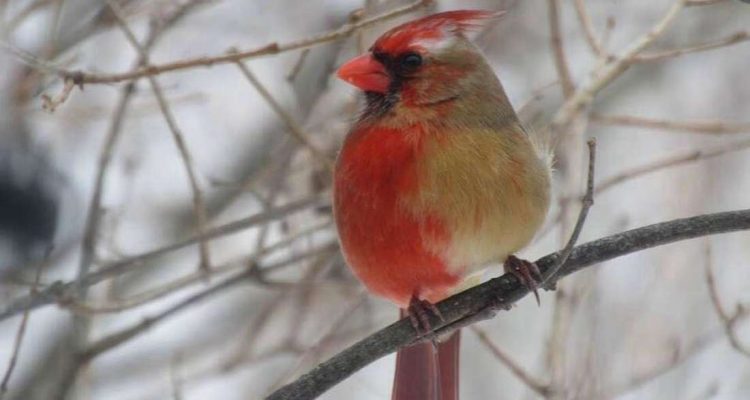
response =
{"points": [[418, 210], [390, 245]]}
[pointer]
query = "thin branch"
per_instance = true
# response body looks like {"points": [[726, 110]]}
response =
{"points": [[292, 75], [485, 299], [655, 166], [586, 202], [21, 16], [738, 37], [717, 127], [199, 206], [50, 103], [247, 346], [728, 321], [561, 64], [692, 3], [21, 332], [59, 290], [248, 275], [187, 280], [206, 61], [313, 352], [672, 161], [543, 389], [33, 61], [81, 322], [175, 381], [588, 29], [681, 357], [605, 74], [294, 127]]}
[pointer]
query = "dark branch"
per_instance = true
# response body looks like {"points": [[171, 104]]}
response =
{"points": [[482, 301]]}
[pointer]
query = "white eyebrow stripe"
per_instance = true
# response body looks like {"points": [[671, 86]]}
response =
{"points": [[436, 45]]}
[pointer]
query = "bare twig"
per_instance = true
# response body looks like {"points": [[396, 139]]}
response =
{"points": [[21, 16], [246, 349], [738, 37], [586, 202], [605, 74], [180, 283], [718, 127], [313, 352], [483, 300], [175, 381], [294, 127], [33, 61], [672, 161], [88, 245], [207, 61], [20, 333], [64, 290], [728, 321], [683, 158], [199, 207], [588, 29], [50, 104], [703, 2], [543, 389], [563, 72], [680, 358], [248, 275], [292, 75]]}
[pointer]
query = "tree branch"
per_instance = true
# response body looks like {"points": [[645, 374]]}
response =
{"points": [[21, 332], [80, 78], [294, 127], [727, 320], [533, 383], [561, 64], [62, 290], [588, 29], [502, 292], [199, 206], [604, 75], [738, 37], [715, 127]]}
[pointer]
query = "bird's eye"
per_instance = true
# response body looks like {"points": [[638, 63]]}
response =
{"points": [[411, 61]]}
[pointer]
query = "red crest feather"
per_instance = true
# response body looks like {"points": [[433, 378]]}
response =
{"points": [[433, 26]]}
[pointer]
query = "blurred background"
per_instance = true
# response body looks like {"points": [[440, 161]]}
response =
{"points": [[118, 181]]}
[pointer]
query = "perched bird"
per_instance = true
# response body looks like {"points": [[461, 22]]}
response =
{"points": [[435, 180]]}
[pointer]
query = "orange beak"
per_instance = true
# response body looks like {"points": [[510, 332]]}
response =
{"points": [[365, 73]]}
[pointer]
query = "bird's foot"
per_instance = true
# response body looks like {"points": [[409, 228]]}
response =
{"points": [[419, 311], [526, 271]]}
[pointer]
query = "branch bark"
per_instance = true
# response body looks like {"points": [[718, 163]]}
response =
{"points": [[484, 300]]}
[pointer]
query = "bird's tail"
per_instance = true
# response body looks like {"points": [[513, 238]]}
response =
{"points": [[428, 371]]}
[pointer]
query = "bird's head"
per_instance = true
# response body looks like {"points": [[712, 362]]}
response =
{"points": [[423, 62]]}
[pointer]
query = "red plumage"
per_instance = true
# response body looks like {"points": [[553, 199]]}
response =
{"points": [[383, 242], [434, 26]]}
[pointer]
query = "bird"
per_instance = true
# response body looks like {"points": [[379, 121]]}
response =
{"points": [[436, 179]]}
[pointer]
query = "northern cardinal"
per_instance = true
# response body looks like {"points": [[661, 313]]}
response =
{"points": [[435, 180]]}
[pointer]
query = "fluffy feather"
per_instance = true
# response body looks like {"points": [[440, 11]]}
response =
{"points": [[431, 28]]}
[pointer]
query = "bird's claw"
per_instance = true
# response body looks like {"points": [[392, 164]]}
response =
{"points": [[419, 311], [527, 273]]}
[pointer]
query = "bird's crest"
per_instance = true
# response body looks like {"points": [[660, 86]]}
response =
{"points": [[432, 27]]}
